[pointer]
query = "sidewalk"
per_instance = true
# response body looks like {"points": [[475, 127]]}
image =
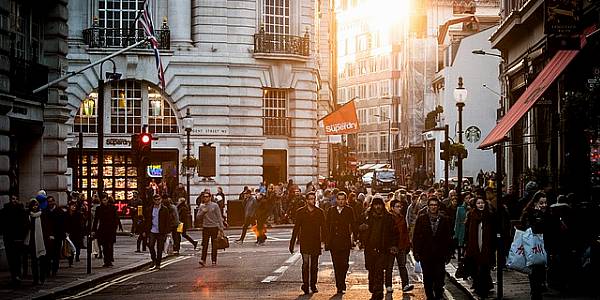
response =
{"points": [[126, 260], [515, 286]]}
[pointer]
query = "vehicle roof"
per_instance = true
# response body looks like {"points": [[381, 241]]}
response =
{"points": [[385, 170]]}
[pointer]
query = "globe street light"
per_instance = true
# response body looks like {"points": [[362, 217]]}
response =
{"points": [[460, 95], [188, 123]]}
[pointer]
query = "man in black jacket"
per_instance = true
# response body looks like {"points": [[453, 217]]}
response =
{"points": [[432, 241], [106, 222], [14, 227], [340, 225], [157, 224], [379, 237], [309, 228], [55, 217]]}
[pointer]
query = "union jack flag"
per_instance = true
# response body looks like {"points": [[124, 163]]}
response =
{"points": [[145, 20]]}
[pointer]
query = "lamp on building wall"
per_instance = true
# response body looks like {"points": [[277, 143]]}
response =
{"points": [[188, 124], [460, 96], [88, 106], [155, 104]]}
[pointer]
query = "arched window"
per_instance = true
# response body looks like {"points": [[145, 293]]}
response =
{"points": [[131, 102]]}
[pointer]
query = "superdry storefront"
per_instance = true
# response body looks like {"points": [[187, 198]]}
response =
{"points": [[129, 105]]}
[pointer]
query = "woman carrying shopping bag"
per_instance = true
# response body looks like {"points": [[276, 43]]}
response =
{"points": [[536, 217]]}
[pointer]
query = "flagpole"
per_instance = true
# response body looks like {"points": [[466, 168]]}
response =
{"points": [[71, 74]]}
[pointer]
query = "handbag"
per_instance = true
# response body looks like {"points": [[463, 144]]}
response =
{"points": [[516, 257], [65, 250], [222, 240], [418, 268]]}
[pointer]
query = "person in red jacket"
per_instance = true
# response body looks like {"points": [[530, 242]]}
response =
{"points": [[403, 248]]}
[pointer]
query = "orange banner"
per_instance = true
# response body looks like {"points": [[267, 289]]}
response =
{"points": [[342, 121]]}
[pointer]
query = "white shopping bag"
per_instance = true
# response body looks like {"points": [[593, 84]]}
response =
{"points": [[418, 268], [516, 257], [534, 248], [168, 245]]}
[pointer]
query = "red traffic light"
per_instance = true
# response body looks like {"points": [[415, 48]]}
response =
{"points": [[146, 138]]}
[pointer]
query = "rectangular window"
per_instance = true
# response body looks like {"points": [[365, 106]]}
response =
{"points": [[85, 120], [362, 116], [372, 112], [362, 143], [126, 107], [385, 88], [383, 138], [276, 17], [275, 119], [384, 112], [161, 118], [362, 92], [373, 90], [373, 142], [117, 15]]}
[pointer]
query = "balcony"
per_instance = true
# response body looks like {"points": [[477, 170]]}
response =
{"points": [[277, 126], [25, 76], [98, 37], [281, 46]]}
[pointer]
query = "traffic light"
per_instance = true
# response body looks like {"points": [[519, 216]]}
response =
{"points": [[141, 148], [445, 150]]}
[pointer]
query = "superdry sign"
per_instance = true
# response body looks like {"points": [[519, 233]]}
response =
{"points": [[342, 121]]}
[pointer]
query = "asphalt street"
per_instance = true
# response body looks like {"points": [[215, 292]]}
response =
{"points": [[245, 271]]}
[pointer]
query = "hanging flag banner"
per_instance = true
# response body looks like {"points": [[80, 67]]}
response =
{"points": [[342, 121]]}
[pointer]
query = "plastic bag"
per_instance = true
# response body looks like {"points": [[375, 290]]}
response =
{"points": [[95, 247], [71, 245], [418, 268], [168, 249], [516, 257], [180, 228], [534, 248]]}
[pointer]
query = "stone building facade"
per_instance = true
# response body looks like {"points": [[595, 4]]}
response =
{"points": [[33, 50], [246, 71]]}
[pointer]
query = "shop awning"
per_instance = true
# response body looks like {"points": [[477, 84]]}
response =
{"points": [[378, 166], [366, 167], [536, 89]]}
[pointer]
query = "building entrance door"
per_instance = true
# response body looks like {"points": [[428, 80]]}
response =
{"points": [[274, 166]]}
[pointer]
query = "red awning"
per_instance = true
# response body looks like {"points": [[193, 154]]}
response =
{"points": [[534, 91]]}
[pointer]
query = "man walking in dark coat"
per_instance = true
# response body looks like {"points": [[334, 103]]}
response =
{"points": [[14, 227], [104, 229], [432, 243], [340, 224], [156, 226], [55, 232], [309, 228], [379, 237]]}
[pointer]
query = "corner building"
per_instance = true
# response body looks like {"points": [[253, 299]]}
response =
{"points": [[245, 70]]}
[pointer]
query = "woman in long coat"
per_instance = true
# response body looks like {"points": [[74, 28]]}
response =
{"points": [[480, 250]]}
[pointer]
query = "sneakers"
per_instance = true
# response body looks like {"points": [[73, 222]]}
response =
{"points": [[408, 288], [154, 268], [389, 289]]}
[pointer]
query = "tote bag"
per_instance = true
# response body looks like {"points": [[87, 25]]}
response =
{"points": [[535, 252], [516, 257]]}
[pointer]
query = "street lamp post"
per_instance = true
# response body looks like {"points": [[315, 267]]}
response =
{"points": [[100, 128], [188, 123], [460, 95]]}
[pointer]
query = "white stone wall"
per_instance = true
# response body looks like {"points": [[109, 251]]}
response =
{"points": [[217, 78]]}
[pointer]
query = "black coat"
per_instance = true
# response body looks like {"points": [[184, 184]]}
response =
{"points": [[105, 224], [388, 239], [431, 247], [74, 227], [55, 225], [309, 228], [340, 227], [14, 222], [164, 222]]}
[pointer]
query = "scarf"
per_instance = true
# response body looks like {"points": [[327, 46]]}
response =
{"points": [[40, 249]]}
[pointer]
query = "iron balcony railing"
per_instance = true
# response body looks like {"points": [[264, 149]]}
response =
{"points": [[274, 126], [25, 76], [268, 43], [98, 37]]}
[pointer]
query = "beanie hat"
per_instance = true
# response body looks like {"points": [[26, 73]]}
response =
{"points": [[377, 200]]}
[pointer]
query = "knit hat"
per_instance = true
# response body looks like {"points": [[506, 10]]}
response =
{"points": [[377, 200]]}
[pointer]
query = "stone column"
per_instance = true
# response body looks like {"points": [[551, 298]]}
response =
{"points": [[56, 112], [78, 10], [180, 22]]}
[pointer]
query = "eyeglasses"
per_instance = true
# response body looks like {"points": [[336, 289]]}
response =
{"points": [[432, 205]]}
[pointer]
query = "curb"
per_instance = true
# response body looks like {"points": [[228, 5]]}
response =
{"points": [[450, 269], [80, 284]]}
